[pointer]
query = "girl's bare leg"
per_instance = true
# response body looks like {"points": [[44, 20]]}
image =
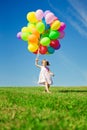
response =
{"points": [[49, 87], [46, 87]]}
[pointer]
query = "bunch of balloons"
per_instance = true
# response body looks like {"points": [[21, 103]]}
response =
{"points": [[42, 32]]}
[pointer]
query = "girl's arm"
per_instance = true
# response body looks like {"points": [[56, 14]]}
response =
{"points": [[36, 63]]}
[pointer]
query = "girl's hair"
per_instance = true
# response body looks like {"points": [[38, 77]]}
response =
{"points": [[47, 62]]}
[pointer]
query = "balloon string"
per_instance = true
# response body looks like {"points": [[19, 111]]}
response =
{"points": [[38, 54]]}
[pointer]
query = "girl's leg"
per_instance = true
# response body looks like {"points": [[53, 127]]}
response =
{"points": [[49, 87], [46, 87]]}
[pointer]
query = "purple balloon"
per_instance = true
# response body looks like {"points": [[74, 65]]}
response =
{"points": [[19, 35], [58, 47], [62, 34]]}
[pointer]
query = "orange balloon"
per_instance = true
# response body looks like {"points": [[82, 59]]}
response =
{"points": [[35, 32], [33, 38]]}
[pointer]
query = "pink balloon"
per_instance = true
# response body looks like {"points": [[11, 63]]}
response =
{"points": [[62, 26], [62, 34], [46, 12], [39, 14], [19, 35], [49, 18], [55, 18]]}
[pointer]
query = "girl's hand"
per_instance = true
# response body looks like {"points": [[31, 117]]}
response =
{"points": [[37, 59]]}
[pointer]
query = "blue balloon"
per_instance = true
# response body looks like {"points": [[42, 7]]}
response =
{"points": [[51, 50], [47, 26]]}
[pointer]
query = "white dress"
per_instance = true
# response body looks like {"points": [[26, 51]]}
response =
{"points": [[45, 76]]}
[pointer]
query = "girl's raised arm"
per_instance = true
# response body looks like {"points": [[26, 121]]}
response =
{"points": [[36, 63]]}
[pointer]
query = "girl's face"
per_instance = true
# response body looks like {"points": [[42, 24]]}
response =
{"points": [[44, 62]]}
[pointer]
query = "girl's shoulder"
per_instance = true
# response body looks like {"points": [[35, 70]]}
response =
{"points": [[47, 68]]}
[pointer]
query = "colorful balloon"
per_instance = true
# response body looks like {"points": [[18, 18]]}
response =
{"points": [[46, 12], [49, 18], [51, 50], [62, 26], [35, 32], [54, 34], [19, 35], [30, 27], [62, 34], [54, 43], [33, 38], [32, 47], [39, 14], [55, 25], [24, 36], [58, 47], [36, 52], [40, 27], [47, 26], [45, 41], [43, 32], [24, 29], [42, 49], [31, 17]]}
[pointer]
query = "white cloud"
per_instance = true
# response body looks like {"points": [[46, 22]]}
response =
{"points": [[78, 17], [75, 14], [77, 26], [81, 7], [79, 11]]}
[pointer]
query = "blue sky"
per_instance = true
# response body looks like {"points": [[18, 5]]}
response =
{"points": [[69, 63]]}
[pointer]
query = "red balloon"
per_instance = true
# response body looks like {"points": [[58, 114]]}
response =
{"points": [[36, 52], [54, 44], [42, 49]]}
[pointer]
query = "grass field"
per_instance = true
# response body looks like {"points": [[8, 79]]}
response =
{"points": [[28, 108]]}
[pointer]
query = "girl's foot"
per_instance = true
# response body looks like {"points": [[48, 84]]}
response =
{"points": [[48, 92], [45, 90]]}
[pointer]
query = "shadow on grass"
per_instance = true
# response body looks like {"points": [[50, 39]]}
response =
{"points": [[65, 91]]}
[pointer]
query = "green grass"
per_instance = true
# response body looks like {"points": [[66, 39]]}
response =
{"points": [[28, 108]]}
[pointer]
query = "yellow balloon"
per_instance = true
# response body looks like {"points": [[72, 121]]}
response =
{"points": [[33, 47], [55, 25], [24, 29], [31, 17], [30, 27]]}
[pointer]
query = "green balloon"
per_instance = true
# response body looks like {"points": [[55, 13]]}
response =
{"points": [[24, 36], [44, 35], [45, 41], [54, 34], [40, 27]]}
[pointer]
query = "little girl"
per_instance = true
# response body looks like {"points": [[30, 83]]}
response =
{"points": [[45, 77]]}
